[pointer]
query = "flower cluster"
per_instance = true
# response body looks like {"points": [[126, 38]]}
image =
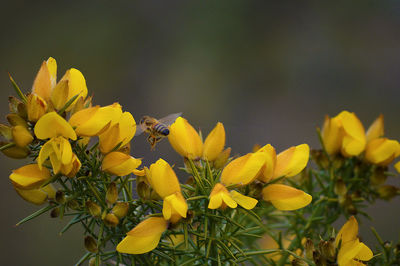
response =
{"points": [[218, 208]]}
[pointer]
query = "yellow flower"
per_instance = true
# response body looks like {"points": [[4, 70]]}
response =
{"points": [[144, 237], [60, 152], [37, 196], [376, 129], [71, 169], [45, 79], [288, 163], [292, 161], [162, 178], [53, 125], [29, 176], [344, 133], [351, 251], [36, 107], [214, 143], [21, 136], [120, 164], [382, 151], [119, 133], [220, 197], [243, 170], [174, 207], [286, 198], [185, 140], [72, 83], [93, 121]]}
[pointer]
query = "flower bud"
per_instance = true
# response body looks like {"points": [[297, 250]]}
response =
{"points": [[55, 213], [387, 192], [120, 209], [379, 177], [214, 143], [309, 248], [328, 249], [112, 193], [36, 107], [185, 140], [340, 187], [73, 204], [92, 261], [60, 197], [16, 120], [222, 158], [90, 244], [21, 136], [15, 152], [320, 158], [111, 220], [93, 208]]}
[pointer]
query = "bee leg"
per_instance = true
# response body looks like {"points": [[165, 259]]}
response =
{"points": [[152, 142]]}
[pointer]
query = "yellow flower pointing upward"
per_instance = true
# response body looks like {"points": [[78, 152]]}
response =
{"points": [[351, 250]]}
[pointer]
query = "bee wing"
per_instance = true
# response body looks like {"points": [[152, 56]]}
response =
{"points": [[169, 119], [139, 130]]}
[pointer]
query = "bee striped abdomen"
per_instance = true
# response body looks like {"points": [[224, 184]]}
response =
{"points": [[161, 129]]}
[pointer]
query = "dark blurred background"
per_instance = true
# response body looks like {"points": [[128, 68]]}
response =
{"points": [[268, 71]]}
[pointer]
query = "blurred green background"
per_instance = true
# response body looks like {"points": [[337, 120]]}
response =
{"points": [[269, 71]]}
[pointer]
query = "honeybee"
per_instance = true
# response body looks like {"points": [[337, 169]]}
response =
{"points": [[156, 128]]}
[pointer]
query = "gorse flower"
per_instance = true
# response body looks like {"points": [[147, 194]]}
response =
{"points": [[345, 134], [187, 142], [84, 170], [351, 250]]}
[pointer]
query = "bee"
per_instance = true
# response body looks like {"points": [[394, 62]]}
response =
{"points": [[156, 128]]}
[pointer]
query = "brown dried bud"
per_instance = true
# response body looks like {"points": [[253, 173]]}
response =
{"points": [[55, 213], [73, 204], [112, 193], [91, 244], [60, 197], [222, 158], [387, 192], [93, 208], [309, 248], [379, 177], [121, 209], [111, 220], [299, 262], [340, 187]]}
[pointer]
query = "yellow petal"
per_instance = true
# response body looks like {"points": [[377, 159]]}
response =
{"points": [[144, 237], [36, 107], [174, 205], [348, 252], [376, 130], [71, 169], [397, 167], [354, 139], [219, 197], [381, 151], [244, 201], [185, 140], [348, 232], [243, 170], [93, 121], [214, 143], [365, 253], [332, 135], [270, 163], [53, 125], [29, 176], [21, 136], [45, 79], [59, 96], [127, 127], [109, 139], [292, 161], [36, 196], [286, 198], [163, 179], [74, 83], [120, 164]]}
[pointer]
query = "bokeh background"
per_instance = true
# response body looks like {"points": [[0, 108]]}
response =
{"points": [[269, 71]]}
